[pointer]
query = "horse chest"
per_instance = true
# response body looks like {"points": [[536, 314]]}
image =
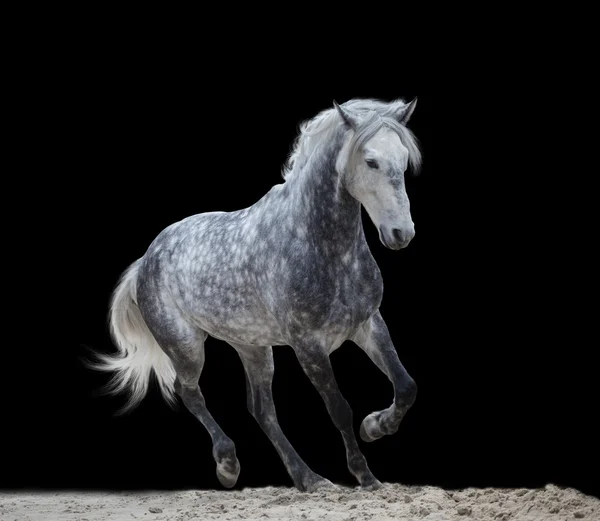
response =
{"points": [[337, 295], [360, 291]]}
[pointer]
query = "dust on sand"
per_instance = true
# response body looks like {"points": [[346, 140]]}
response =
{"points": [[392, 502]]}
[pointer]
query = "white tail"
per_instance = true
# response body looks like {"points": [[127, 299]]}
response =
{"points": [[139, 353]]}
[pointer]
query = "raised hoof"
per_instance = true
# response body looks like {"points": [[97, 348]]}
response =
{"points": [[228, 472], [369, 429]]}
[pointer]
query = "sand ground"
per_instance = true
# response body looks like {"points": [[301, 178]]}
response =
{"points": [[392, 502]]}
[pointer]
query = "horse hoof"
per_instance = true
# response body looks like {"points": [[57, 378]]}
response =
{"points": [[317, 482], [228, 472], [369, 430], [373, 484], [323, 484]]}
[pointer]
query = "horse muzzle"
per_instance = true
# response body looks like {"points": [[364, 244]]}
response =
{"points": [[396, 238]]}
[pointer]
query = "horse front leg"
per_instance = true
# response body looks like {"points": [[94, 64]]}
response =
{"points": [[259, 368], [316, 364], [374, 339]]}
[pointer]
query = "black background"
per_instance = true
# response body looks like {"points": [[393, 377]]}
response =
{"points": [[479, 305]]}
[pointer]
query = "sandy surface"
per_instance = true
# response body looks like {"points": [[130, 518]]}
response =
{"points": [[392, 502]]}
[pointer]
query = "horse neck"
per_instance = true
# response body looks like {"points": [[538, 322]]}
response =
{"points": [[323, 205]]}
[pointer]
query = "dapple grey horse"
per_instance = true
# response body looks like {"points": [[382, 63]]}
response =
{"points": [[292, 269]]}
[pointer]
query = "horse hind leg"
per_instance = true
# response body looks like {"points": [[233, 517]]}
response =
{"points": [[188, 358], [259, 368]]}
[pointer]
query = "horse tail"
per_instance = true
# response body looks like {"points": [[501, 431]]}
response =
{"points": [[139, 355]]}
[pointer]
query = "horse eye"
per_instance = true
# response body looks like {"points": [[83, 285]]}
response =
{"points": [[371, 163]]}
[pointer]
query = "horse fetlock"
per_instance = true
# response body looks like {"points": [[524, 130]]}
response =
{"points": [[224, 449], [360, 470]]}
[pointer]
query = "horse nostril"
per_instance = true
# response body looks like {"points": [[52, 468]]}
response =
{"points": [[399, 235]]}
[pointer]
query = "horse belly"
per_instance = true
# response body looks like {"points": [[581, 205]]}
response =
{"points": [[234, 315], [245, 329]]}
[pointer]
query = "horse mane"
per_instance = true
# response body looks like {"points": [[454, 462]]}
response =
{"points": [[327, 125]]}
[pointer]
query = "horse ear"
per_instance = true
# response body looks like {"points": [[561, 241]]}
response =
{"points": [[404, 113], [347, 118]]}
